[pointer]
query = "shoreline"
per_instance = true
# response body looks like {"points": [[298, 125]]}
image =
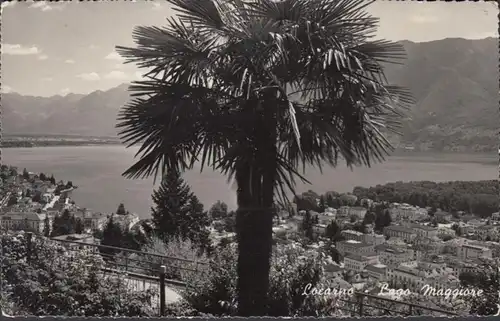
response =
{"points": [[395, 153]]}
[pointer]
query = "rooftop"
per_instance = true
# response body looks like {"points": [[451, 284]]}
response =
{"points": [[424, 227], [399, 228], [356, 257]]}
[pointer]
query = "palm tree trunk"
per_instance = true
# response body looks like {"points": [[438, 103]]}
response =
{"points": [[254, 221]]}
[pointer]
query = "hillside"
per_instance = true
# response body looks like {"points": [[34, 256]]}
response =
{"points": [[455, 83]]}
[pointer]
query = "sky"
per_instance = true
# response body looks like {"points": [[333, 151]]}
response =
{"points": [[69, 47]]}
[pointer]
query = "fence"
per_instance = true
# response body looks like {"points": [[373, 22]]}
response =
{"points": [[141, 270], [364, 301], [364, 304]]}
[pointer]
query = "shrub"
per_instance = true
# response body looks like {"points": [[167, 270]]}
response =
{"points": [[175, 248], [58, 282], [292, 268]]}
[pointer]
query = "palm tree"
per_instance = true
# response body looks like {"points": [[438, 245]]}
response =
{"points": [[254, 89]]}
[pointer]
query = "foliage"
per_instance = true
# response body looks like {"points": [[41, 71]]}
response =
{"points": [[478, 197], [191, 258], [292, 268], [112, 235], [307, 225], [178, 212], [218, 211], [332, 232], [486, 278], [12, 200], [57, 282], [121, 209], [65, 224]]}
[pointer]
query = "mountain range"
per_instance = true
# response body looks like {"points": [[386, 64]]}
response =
{"points": [[454, 81]]}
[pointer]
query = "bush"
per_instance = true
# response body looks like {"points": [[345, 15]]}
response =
{"points": [[175, 248], [63, 283], [292, 268]]}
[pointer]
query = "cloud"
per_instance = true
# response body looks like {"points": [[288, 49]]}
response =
{"points": [[64, 92], [45, 6], [117, 74], [93, 47], [114, 56], [43, 57], [69, 61], [91, 76], [7, 4], [6, 89], [19, 50], [420, 18], [47, 79]]}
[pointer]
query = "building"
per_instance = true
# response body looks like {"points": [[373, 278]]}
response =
{"points": [[352, 235], [495, 216], [369, 238], [469, 251], [351, 246], [391, 255], [357, 263], [333, 271], [424, 230], [28, 221], [405, 233], [319, 229], [377, 271], [442, 216], [407, 212], [405, 278], [486, 232], [347, 211]]}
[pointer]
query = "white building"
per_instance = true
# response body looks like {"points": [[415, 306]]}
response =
{"points": [[28, 221], [469, 251]]}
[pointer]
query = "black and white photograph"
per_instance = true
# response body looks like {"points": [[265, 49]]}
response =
{"points": [[249, 158]]}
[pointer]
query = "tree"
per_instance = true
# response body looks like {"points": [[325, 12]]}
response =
{"points": [[121, 209], [171, 205], [43, 177], [332, 231], [37, 197], [72, 281], [218, 211], [195, 225], [221, 90], [307, 225], [63, 224], [46, 226], [26, 174], [112, 235], [487, 279], [230, 222], [79, 226], [28, 193], [369, 218], [12, 200], [52, 180]]}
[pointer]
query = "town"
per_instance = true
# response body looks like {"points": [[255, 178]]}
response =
{"points": [[369, 245]]}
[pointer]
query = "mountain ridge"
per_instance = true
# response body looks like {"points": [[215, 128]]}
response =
{"points": [[454, 81]]}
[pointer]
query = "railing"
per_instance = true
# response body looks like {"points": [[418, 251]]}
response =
{"points": [[362, 306], [364, 300], [144, 271]]}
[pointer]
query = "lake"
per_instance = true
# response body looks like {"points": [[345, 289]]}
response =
{"points": [[97, 172]]}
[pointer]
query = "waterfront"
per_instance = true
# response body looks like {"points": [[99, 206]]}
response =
{"points": [[97, 172]]}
